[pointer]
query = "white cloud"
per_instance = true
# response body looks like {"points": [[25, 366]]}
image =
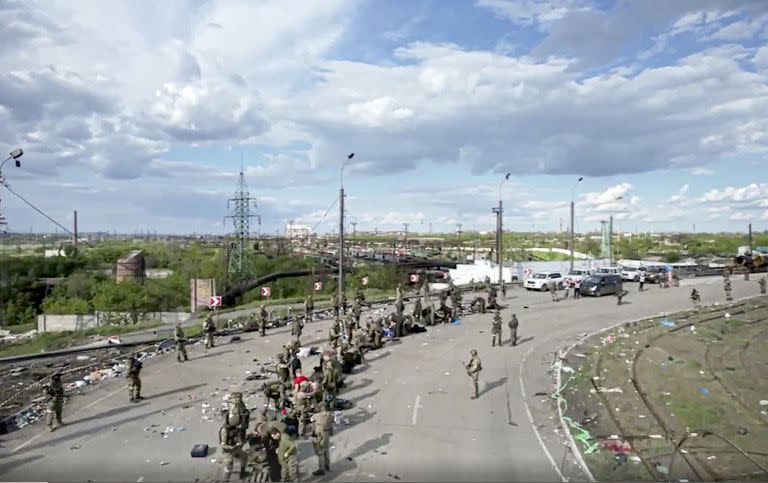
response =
{"points": [[750, 192], [608, 196], [526, 12]]}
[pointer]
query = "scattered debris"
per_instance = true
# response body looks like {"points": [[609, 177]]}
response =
{"points": [[704, 391], [742, 430], [662, 469], [669, 323]]}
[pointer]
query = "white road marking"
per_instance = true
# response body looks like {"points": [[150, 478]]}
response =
{"points": [[32, 439], [85, 407], [141, 478], [416, 409], [533, 424], [105, 397]]}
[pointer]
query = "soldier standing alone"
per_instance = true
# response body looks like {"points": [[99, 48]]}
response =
{"points": [[309, 306], [321, 439], [209, 327], [727, 287], [263, 318], [513, 329], [473, 370], [54, 403], [296, 329], [761, 282], [496, 329], [134, 381], [181, 343], [553, 291]]}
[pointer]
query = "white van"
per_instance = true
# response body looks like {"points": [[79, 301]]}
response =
{"points": [[608, 271]]}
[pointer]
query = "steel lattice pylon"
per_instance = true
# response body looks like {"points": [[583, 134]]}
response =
{"points": [[240, 264]]}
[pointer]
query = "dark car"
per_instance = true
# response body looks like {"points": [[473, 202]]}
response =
{"points": [[599, 285]]}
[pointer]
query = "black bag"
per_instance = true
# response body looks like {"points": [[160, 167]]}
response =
{"points": [[200, 451]]}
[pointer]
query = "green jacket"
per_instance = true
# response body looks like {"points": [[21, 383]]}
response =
{"points": [[286, 449]]}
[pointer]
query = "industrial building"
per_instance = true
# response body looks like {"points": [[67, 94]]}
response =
{"points": [[130, 267]]}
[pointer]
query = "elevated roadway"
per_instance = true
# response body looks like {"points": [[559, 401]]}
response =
{"points": [[413, 419]]}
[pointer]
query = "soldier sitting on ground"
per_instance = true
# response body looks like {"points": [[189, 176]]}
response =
{"points": [[478, 305]]}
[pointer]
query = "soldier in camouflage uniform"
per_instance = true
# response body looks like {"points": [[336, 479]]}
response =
{"points": [[263, 319], [761, 281], [181, 343], [309, 307], [728, 290], [425, 294], [473, 370], [54, 402], [302, 403], [695, 297], [239, 415], [479, 305], [417, 311], [322, 430], [344, 303], [496, 329], [296, 329], [334, 334], [232, 447], [134, 381], [209, 327], [283, 374], [286, 456], [455, 303], [335, 304], [513, 329], [356, 311]]}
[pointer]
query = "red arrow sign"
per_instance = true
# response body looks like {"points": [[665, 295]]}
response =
{"points": [[266, 291]]}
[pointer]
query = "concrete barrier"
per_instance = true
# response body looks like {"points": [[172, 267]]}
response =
{"points": [[59, 323]]}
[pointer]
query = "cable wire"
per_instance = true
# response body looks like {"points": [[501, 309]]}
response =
{"points": [[40, 211], [324, 214]]}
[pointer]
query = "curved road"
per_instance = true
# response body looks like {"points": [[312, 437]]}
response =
{"points": [[413, 419]]}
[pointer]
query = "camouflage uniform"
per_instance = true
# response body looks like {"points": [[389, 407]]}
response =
{"points": [[232, 447], [134, 381], [181, 343], [335, 304], [473, 370], [286, 456], [695, 297], [263, 318], [302, 402], [334, 334], [496, 329], [309, 306], [417, 311], [761, 281], [296, 328], [54, 402], [209, 327], [728, 290], [321, 439]]}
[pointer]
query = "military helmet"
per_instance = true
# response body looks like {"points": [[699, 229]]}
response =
{"points": [[56, 375], [473, 352]]}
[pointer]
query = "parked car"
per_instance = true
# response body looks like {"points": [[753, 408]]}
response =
{"points": [[541, 280], [601, 284], [578, 274], [608, 271], [656, 275], [632, 274]]}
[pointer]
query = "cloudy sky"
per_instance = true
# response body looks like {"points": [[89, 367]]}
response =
{"points": [[140, 114]]}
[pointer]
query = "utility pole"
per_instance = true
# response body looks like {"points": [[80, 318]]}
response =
{"points": [[341, 225], [405, 238], [354, 234], [74, 233], [573, 196], [458, 232], [500, 229], [290, 235], [610, 239], [750, 238]]}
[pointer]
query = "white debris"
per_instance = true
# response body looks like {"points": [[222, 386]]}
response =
{"points": [[764, 402], [83, 358]]}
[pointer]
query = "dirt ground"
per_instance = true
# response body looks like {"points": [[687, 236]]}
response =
{"points": [[697, 379]]}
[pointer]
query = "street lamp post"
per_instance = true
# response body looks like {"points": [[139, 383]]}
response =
{"points": [[16, 154], [341, 224], [499, 227], [573, 196]]}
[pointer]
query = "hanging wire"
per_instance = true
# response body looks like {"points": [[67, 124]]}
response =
{"points": [[324, 215]]}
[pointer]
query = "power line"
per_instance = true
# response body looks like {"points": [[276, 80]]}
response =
{"points": [[324, 215], [40, 211]]}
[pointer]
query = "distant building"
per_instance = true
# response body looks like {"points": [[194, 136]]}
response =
{"points": [[58, 252], [130, 267], [297, 232]]}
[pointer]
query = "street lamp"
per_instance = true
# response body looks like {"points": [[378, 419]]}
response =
{"points": [[15, 155], [341, 224], [499, 228], [573, 196]]}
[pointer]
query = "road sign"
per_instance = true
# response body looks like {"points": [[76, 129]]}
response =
{"points": [[414, 278], [365, 280], [318, 286], [113, 340], [266, 291], [527, 271], [215, 301]]}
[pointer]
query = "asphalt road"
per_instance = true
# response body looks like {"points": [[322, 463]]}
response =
{"points": [[413, 417]]}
